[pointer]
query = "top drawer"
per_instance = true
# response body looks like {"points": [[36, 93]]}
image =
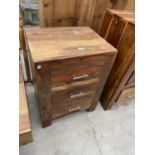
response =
{"points": [[75, 74]]}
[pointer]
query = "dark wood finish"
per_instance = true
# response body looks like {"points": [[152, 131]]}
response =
{"points": [[115, 31], [70, 67], [25, 131], [84, 87], [72, 75], [122, 85], [105, 24], [76, 96], [122, 73]]}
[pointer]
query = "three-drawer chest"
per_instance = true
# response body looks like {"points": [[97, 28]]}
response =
{"points": [[70, 66]]}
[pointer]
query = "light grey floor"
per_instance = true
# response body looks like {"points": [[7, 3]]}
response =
{"points": [[83, 133]]}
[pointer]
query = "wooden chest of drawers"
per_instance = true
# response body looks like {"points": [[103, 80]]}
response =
{"points": [[118, 29], [70, 66]]}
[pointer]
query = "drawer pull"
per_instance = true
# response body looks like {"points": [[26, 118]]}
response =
{"points": [[81, 48], [76, 95], [80, 77], [73, 109], [131, 96]]}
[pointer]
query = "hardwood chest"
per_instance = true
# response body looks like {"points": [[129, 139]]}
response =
{"points": [[118, 28], [70, 66]]}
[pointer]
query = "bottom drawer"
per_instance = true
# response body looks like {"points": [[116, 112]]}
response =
{"points": [[126, 94], [69, 107]]}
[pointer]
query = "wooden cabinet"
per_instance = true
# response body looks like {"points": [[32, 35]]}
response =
{"points": [[70, 66], [25, 131], [114, 24], [119, 30]]}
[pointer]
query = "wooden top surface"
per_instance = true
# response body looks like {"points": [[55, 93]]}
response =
{"points": [[127, 15], [24, 121], [65, 42], [120, 12]]}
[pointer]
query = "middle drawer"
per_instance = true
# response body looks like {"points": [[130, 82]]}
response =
{"points": [[73, 91]]}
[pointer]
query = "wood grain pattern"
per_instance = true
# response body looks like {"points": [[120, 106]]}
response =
{"points": [[122, 85], [106, 24], [63, 43], [67, 55], [123, 66], [104, 76], [113, 4], [100, 7], [57, 12], [116, 21], [115, 32], [125, 95], [123, 4], [74, 75], [78, 12], [121, 12], [41, 14], [70, 107], [25, 131], [77, 94], [84, 11]]}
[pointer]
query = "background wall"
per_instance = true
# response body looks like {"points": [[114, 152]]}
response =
{"points": [[78, 12], [70, 12]]}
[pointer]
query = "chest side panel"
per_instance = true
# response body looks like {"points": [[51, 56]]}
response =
{"points": [[126, 52]]}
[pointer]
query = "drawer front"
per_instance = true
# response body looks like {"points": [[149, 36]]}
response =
{"points": [[75, 74], [73, 91], [75, 96], [70, 107], [126, 94]]}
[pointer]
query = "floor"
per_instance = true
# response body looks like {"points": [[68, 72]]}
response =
{"points": [[83, 133]]}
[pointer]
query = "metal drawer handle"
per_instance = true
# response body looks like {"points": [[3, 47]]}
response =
{"points": [[81, 48], [76, 95], [73, 109], [80, 77], [131, 96]]}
